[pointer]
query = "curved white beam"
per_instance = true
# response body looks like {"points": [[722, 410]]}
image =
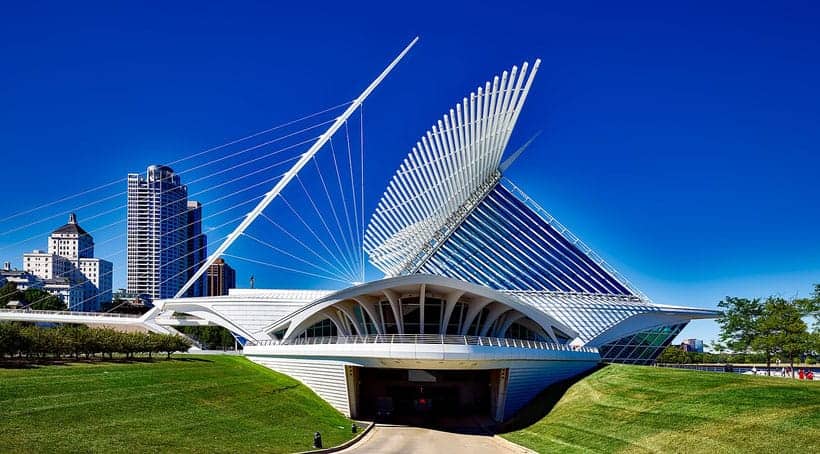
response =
{"points": [[496, 310], [473, 309], [412, 283], [508, 322], [449, 305], [368, 304], [395, 305], [346, 308]]}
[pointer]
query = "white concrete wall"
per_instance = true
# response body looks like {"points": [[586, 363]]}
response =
{"points": [[325, 377], [526, 380]]}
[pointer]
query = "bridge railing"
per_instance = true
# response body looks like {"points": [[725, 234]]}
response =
{"points": [[428, 339], [73, 313]]}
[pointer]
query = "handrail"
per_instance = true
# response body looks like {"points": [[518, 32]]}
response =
{"points": [[427, 339], [74, 313]]}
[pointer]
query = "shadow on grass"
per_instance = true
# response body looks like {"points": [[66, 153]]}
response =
{"points": [[542, 404], [191, 360], [33, 363]]}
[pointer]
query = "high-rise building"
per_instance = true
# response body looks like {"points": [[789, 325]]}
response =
{"points": [[70, 270], [221, 277], [692, 345], [159, 233], [197, 248]]}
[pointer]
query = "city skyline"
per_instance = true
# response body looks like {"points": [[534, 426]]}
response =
{"points": [[723, 209]]}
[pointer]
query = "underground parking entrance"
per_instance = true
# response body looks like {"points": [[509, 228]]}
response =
{"points": [[426, 397]]}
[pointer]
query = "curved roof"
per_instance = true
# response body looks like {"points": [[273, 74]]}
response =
{"points": [[433, 283], [454, 163]]}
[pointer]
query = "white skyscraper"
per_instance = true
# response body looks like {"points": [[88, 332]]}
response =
{"points": [[70, 270], [158, 233]]}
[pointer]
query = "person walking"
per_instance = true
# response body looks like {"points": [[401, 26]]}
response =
{"points": [[800, 374]]}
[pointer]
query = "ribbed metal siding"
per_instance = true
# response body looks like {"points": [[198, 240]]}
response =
{"points": [[526, 382], [326, 378], [503, 244], [588, 315], [255, 316]]}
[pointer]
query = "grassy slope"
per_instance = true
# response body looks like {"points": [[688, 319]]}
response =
{"points": [[643, 409], [192, 404]]}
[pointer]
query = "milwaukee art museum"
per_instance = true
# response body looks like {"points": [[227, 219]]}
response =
{"points": [[486, 298]]}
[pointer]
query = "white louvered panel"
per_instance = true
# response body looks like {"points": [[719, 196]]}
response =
{"points": [[326, 378], [254, 316], [526, 382], [446, 167], [588, 314]]}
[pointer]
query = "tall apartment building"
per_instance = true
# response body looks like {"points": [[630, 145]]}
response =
{"points": [[70, 270], [221, 277], [197, 248], [159, 233]]}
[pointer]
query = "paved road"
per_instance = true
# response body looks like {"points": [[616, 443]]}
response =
{"points": [[404, 439]]}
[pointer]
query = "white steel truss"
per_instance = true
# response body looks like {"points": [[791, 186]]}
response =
{"points": [[445, 170]]}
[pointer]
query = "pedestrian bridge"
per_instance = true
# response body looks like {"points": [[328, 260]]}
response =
{"points": [[145, 321]]}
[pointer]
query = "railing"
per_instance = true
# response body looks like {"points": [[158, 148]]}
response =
{"points": [[73, 313], [428, 339]]}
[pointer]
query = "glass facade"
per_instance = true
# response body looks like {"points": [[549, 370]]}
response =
{"points": [[640, 348], [504, 245]]}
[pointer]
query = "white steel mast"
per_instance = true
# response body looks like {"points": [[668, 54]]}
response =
{"points": [[253, 214]]}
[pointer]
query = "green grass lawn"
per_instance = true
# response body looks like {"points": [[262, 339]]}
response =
{"points": [[189, 404], [643, 409]]}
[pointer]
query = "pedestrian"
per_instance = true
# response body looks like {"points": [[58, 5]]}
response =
{"points": [[810, 375], [800, 374]]}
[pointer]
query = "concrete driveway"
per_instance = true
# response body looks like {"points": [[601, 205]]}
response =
{"points": [[384, 439]]}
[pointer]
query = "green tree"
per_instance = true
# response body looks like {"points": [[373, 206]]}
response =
{"points": [[10, 339], [738, 322], [781, 331], [9, 292], [673, 355], [41, 300], [171, 343]]}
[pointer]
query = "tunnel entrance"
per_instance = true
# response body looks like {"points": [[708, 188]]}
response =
{"points": [[411, 396]]}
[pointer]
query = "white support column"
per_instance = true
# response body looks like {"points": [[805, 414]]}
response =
{"points": [[341, 326], [347, 308], [473, 310], [492, 316], [395, 304], [511, 318], [450, 304], [368, 304], [422, 291], [250, 217]]}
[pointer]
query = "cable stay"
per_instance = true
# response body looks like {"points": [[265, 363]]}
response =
{"points": [[225, 179]]}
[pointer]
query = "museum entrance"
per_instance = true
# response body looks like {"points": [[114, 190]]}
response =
{"points": [[414, 396]]}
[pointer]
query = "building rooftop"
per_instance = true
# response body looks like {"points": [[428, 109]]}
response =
{"points": [[71, 227]]}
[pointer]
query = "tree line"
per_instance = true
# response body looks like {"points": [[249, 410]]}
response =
{"points": [[34, 342], [33, 298], [674, 354], [760, 330], [211, 337]]}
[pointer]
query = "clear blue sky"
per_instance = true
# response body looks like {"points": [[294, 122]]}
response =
{"points": [[680, 141]]}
